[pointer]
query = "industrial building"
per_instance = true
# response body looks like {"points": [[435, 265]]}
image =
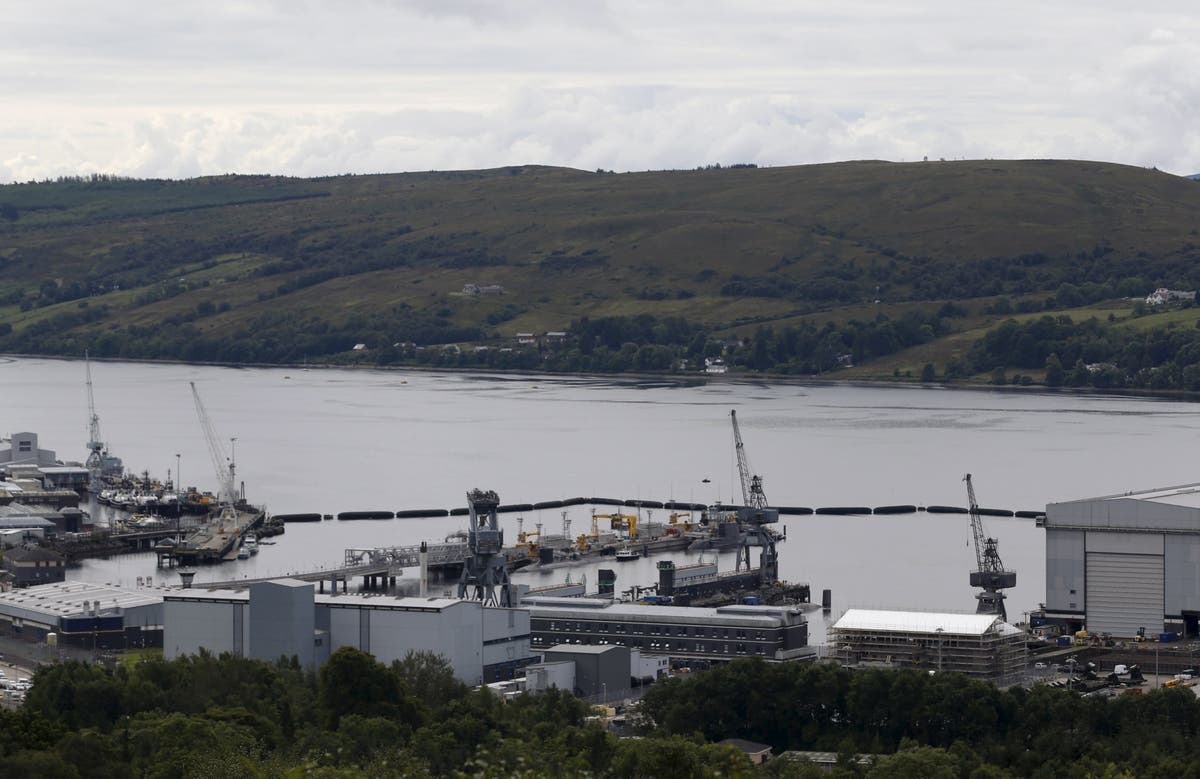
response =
{"points": [[723, 633], [84, 614], [979, 645], [1121, 564], [22, 449], [597, 670], [286, 617], [32, 565]]}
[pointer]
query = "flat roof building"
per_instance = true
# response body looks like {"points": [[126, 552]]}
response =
{"points": [[22, 449], [979, 645], [84, 614], [722, 633], [1120, 564], [286, 617]]}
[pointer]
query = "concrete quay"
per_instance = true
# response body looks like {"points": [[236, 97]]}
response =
{"points": [[214, 541]]}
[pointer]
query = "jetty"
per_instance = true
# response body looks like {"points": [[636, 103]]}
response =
{"points": [[214, 540]]}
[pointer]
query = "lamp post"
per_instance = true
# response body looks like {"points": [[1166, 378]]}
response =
{"points": [[1071, 671], [178, 497], [939, 632], [604, 693], [1157, 684]]}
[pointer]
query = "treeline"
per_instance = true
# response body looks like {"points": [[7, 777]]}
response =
{"points": [[208, 717], [1041, 281], [944, 725], [645, 343], [1091, 353]]}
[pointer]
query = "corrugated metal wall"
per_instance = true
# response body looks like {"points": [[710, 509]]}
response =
{"points": [[1124, 593]]}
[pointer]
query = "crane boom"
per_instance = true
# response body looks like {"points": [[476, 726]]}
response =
{"points": [[222, 463], [752, 491], [989, 574], [976, 523], [95, 444]]}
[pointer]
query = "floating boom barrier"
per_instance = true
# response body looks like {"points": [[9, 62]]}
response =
{"points": [[671, 505]]}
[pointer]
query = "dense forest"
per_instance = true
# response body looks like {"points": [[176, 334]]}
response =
{"points": [[222, 716], [865, 269]]}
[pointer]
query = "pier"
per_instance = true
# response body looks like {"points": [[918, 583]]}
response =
{"points": [[214, 541]]}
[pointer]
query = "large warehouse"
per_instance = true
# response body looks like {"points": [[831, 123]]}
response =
{"points": [[1123, 563], [286, 617]]}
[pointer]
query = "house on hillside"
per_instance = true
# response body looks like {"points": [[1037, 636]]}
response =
{"points": [[1164, 295], [715, 365], [486, 289]]}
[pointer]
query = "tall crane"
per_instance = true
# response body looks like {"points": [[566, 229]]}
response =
{"points": [[989, 574], [754, 516], [95, 444], [752, 491], [223, 464], [99, 462], [485, 570]]}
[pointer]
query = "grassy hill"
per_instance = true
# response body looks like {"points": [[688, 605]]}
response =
{"points": [[268, 268]]}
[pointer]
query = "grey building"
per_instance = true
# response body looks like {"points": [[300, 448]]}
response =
{"points": [[599, 670], [286, 618], [34, 565], [1122, 563], [723, 633], [22, 449]]}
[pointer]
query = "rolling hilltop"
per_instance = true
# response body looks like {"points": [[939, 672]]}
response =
{"points": [[267, 269]]}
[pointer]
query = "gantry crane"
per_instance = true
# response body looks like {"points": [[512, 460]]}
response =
{"points": [[989, 574], [223, 464], [754, 515], [485, 569]]}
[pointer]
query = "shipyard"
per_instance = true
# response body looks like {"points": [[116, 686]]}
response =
{"points": [[603, 597]]}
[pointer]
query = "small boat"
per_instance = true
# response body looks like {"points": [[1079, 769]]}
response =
{"points": [[243, 552], [625, 554], [250, 545]]}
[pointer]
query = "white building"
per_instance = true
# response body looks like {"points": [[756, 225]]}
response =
{"points": [[1164, 295], [979, 645]]}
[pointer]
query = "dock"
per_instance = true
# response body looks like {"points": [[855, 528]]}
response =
{"points": [[215, 539], [374, 576]]}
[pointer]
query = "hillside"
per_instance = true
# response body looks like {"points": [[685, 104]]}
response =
{"points": [[251, 268]]}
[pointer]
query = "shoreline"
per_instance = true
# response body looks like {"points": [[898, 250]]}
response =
{"points": [[1182, 396]]}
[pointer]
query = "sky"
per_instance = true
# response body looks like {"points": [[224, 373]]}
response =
{"points": [[179, 89]]}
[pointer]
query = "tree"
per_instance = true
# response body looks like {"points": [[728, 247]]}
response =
{"points": [[1054, 371], [430, 678], [917, 763], [352, 682], [928, 372]]}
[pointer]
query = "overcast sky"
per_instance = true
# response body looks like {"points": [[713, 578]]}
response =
{"points": [[154, 88]]}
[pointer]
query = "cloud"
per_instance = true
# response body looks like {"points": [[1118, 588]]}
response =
{"points": [[313, 88]]}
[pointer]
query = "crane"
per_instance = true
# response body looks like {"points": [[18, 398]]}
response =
{"points": [[485, 571], [752, 491], [989, 574], [99, 462], [223, 464], [754, 515], [95, 445]]}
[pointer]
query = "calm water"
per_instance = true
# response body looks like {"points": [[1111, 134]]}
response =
{"points": [[339, 440]]}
